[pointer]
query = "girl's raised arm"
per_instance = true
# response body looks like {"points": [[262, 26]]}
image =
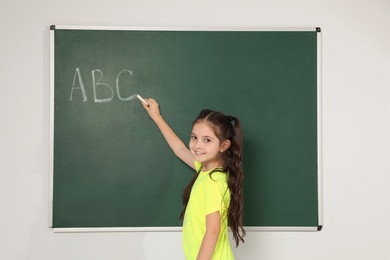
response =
{"points": [[176, 144]]}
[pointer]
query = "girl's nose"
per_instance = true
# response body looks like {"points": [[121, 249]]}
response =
{"points": [[198, 145]]}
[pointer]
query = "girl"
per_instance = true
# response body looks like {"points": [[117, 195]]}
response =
{"points": [[213, 199]]}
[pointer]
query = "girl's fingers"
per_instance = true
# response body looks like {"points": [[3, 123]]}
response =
{"points": [[153, 107]]}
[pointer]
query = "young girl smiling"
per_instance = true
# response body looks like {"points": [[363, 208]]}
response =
{"points": [[213, 199]]}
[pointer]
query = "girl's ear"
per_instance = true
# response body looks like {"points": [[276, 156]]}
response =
{"points": [[224, 146]]}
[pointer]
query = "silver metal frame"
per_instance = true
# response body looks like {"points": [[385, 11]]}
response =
{"points": [[177, 229]]}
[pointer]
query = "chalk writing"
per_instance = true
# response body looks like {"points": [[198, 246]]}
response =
{"points": [[77, 73], [117, 86], [98, 84]]}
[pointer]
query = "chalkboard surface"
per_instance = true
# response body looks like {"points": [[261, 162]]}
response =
{"points": [[111, 166]]}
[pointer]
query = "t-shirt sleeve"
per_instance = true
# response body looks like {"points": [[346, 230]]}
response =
{"points": [[213, 197]]}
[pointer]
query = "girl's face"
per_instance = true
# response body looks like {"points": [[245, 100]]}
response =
{"points": [[206, 147]]}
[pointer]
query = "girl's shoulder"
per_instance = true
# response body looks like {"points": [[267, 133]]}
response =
{"points": [[214, 174], [218, 176]]}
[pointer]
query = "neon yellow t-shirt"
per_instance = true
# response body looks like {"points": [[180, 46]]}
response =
{"points": [[209, 194]]}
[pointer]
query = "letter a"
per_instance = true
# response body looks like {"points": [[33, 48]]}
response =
{"points": [[77, 73]]}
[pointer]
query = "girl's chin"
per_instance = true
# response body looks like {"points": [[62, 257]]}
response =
{"points": [[200, 158]]}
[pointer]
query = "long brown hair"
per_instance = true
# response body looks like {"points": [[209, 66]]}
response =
{"points": [[224, 129]]}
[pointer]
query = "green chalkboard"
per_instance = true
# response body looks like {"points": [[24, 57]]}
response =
{"points": [[111, 167]]}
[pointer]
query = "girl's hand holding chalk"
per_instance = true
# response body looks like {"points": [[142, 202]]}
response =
{"points": [[142, 100], [152, 108]]}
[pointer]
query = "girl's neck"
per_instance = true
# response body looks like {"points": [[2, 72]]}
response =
{"points": [[211, 165]]}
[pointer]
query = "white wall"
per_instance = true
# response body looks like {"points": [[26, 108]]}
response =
{"points": [[356, 125]]}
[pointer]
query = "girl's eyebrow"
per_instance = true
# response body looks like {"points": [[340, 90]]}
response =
{"points": [[209, 137], [205, 136]]}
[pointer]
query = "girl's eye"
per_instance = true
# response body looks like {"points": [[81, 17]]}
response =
{"points": [[193, 137], [207, 140]]}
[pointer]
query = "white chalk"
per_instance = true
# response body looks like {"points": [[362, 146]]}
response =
{"points": [[142, 100]]}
